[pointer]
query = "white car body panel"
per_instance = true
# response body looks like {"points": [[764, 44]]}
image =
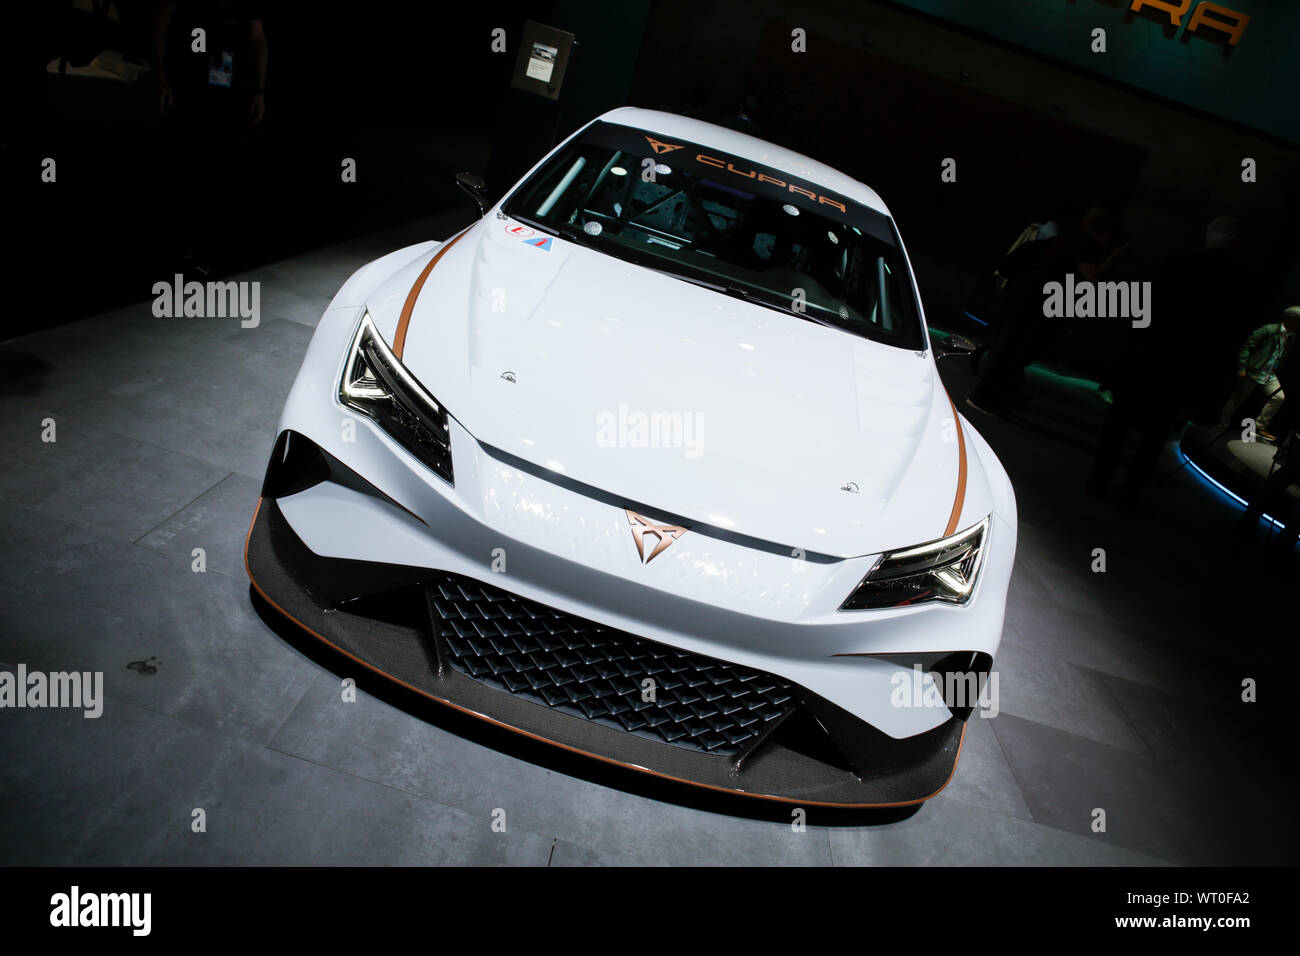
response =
{"points": [[791, 412]]}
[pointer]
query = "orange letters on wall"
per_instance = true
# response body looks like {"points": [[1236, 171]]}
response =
{"points": [[1234, 29], [1207, 14], [1175, 10]]}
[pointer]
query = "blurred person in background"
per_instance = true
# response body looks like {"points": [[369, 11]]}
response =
{"points": [[1155, 389], [1257, 362], [1092, 253], [1271, 497], [210, 101]]}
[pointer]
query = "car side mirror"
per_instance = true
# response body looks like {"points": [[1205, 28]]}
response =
{"points": [[477, 189], [955, 345]]}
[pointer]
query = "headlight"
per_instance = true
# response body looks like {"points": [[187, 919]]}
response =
{"points": [[943, 570], [377, 385]]}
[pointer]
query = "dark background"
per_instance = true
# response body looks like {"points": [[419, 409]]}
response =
{"points": [[413, 93], [156, 454]]}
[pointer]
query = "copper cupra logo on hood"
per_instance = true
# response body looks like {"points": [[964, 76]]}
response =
{"points": [[665, 534]]}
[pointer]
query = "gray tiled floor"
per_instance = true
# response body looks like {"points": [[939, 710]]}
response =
{"points": [[210, 522], [1119, 691]]}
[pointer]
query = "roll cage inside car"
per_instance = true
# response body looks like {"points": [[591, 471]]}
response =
{"points": [[735, 226]]}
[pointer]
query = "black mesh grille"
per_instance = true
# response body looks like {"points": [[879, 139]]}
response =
{"points": [[581, 667]]}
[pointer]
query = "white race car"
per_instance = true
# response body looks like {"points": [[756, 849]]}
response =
{"points": [[653, 463]]}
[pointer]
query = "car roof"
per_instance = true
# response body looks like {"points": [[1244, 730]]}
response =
{"points": [[747, 147]]}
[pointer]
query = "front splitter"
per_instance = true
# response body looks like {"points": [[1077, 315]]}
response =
{"points": [[284, 572]]}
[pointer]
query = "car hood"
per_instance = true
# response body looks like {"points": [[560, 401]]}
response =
{"points": [[679, 401]]}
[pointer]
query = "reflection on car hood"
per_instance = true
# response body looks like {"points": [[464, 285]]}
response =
{"points": [[682, 400]]}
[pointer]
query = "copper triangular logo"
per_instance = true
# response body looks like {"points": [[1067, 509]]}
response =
{"points": [[665, 534], [659, 147]]}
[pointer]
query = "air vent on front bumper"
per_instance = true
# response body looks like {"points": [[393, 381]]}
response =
{"points": [[581, 667]]}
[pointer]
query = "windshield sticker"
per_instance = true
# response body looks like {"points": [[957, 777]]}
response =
{"points": [[719, 163], [660, 147], [745, 176]]}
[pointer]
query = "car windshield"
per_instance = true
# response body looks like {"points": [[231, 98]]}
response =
{"points": [[727, 223]]}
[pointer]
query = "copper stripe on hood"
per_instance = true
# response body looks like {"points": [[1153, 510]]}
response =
{"points": [[399, 337], [960, 499]]}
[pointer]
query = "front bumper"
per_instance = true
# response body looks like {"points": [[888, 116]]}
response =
{"points": [[728, 728], [352, 528]]}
